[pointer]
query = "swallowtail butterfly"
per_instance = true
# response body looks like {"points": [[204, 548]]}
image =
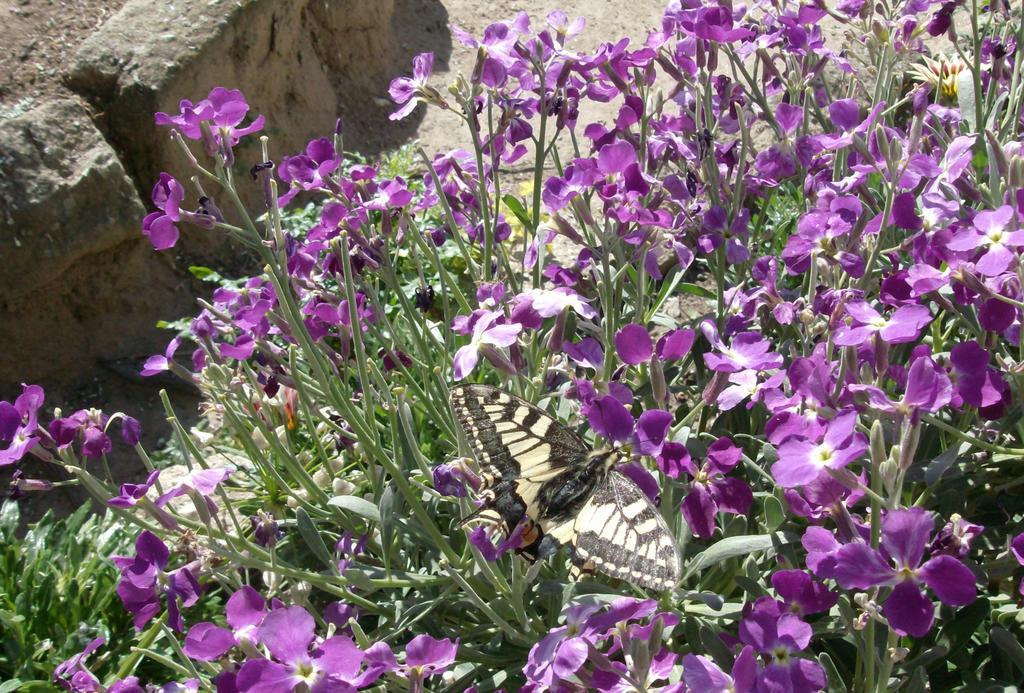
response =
{"points": [[537, 469]]}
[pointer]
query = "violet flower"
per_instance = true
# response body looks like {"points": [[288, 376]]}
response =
{"points": [[143, 582], [223, 109], [904, 325], [801, 594], [73, 675], [1017, 550], [779, 636], [633, 344], [487, 334], [132, 493], [425, 657], [702, 674], [299, 660], [19, 423], [991, 232], [408, 92], [748, 351], [801, 460], [609, 418], [975, 383], [906, 535], [928, 389], [712, 492], [245, 611]]}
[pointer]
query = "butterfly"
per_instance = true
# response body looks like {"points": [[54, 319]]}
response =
{"points": [[536, 469]]}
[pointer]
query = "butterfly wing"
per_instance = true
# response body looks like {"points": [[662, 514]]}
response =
{"points": [[619, 532], [512, 439]]}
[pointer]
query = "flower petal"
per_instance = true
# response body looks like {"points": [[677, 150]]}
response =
{"points": [[950, 580], [908, 610]]}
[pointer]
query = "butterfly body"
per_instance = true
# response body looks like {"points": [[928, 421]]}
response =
{"points": [[536, 469]]}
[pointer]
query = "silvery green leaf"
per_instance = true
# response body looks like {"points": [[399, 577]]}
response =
{"points": [[731, 547], [967, 99], [357, 506], [313, 540]]}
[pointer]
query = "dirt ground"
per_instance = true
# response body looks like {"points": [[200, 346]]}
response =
{"points": [[39, 37]]}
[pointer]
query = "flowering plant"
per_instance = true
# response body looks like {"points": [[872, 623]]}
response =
{"points": [[782, 282]]}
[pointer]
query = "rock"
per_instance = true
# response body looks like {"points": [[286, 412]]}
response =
{"points": [[80, 285], [302, 64], [63, 195]]}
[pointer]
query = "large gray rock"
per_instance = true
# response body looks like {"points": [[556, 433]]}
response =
{"points": [[63, 195], [79, 283], [301, 63]]}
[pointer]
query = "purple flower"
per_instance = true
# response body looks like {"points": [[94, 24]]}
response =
{"points": [[975, 383], [928, 389], [486, 333], [701, 673], [898, 564], [19, 423], [426, 656], [610, 419], [748, 351], [955, 537], [675, 345], [408, 92], [202, 481], [133, 493], [1017, 550], [991, 233], [309, 171], [73, 675], [223, 109], [801, 460], [298, 659], [157, 364], [143, 582], [633, 344], [245, 611], [207, 642], [481, 538], [550, 302], [801, 594], [167, 195], [779, 635], [712, 492], [904, 325]]}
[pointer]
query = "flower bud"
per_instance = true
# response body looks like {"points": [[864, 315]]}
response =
{"points": [[877, 443], [658, 384], [321, 477]]}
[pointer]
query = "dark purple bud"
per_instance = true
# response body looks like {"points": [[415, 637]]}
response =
{"points": [[131, 431], [265, 529], [424, 298]]}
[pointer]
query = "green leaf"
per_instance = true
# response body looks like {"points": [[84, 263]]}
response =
{"points": [[696, 290], [12, 685], [204, 273], [774, 513], [731, 547], [967, 99], [357, 506], [1004, 640], [313, 540], [938, 466], [517, 208], [835, 681]]}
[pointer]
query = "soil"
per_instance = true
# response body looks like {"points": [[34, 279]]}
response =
{"points": [[39, 38]]}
